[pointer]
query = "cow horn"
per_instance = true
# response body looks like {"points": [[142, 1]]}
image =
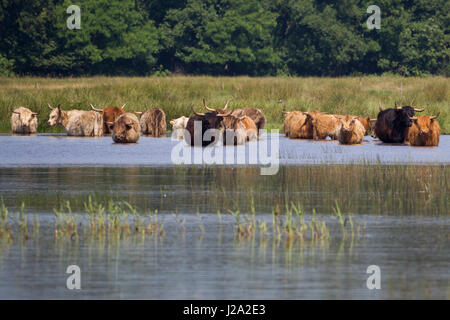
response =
{"points": [[373, 120], [413, 118], [138, 112], [225, 114], [436, 116], [419, 110], [395, 104], [411, 103], [50, 107], [35, 113], [380, 105], [207, 108], [16, 112], [95, 109], [226, 105], [196, 113], [285, 112], [124, 105]]}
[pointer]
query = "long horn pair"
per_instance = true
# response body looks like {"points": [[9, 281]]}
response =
{"points": [[211, 109], [195, 112], [225, 114], [206, 107], [95, 109]]}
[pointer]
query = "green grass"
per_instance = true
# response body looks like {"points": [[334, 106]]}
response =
{"points": [[352, 95]]}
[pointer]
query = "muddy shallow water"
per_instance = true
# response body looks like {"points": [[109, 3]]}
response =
{"points": [[402, 213]]}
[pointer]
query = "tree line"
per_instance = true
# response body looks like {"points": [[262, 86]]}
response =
{"points": [[224, 37]]}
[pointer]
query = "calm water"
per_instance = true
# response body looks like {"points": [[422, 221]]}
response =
{"points": [[60, 150], [403, 212]]}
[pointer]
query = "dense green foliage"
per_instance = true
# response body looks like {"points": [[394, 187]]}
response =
{"points": [[224, 37]]}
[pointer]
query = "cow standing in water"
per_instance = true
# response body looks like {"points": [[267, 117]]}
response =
{"points": [[77, 122], [393, 124], [238, 130], [253, 113], [109, 114], [178, 127], [153, 122], [125, 129], [425, 131], [352, 130], [205, 121], [24, 121], [299, 124]]}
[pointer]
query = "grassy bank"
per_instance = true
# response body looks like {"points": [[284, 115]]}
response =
{"points": [[357, 96]]}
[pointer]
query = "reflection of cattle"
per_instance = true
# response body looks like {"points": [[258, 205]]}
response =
{"points": [[125, 129], [206, 121], [238, 130], [351, 131], [153, 122], [23, 121], [255, 114], [178, 126], [109, 114], [325, 125], [425, 131], [77, 122], [393, 124]]}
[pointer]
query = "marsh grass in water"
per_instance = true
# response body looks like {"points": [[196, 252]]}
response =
{"points": [[394, 190], [120, 220], [352, 95], [113, 220]]}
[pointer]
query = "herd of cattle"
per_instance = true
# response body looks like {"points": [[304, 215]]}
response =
{"points": [[392, 125]]}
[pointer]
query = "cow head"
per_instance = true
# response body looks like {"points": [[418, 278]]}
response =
{"points": [[424, 124], [233, 122], [402, 118], [210, 120], [125, 129], [214, 118], [409, 109], [26, 117], [56, 116], [179, 123]]}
